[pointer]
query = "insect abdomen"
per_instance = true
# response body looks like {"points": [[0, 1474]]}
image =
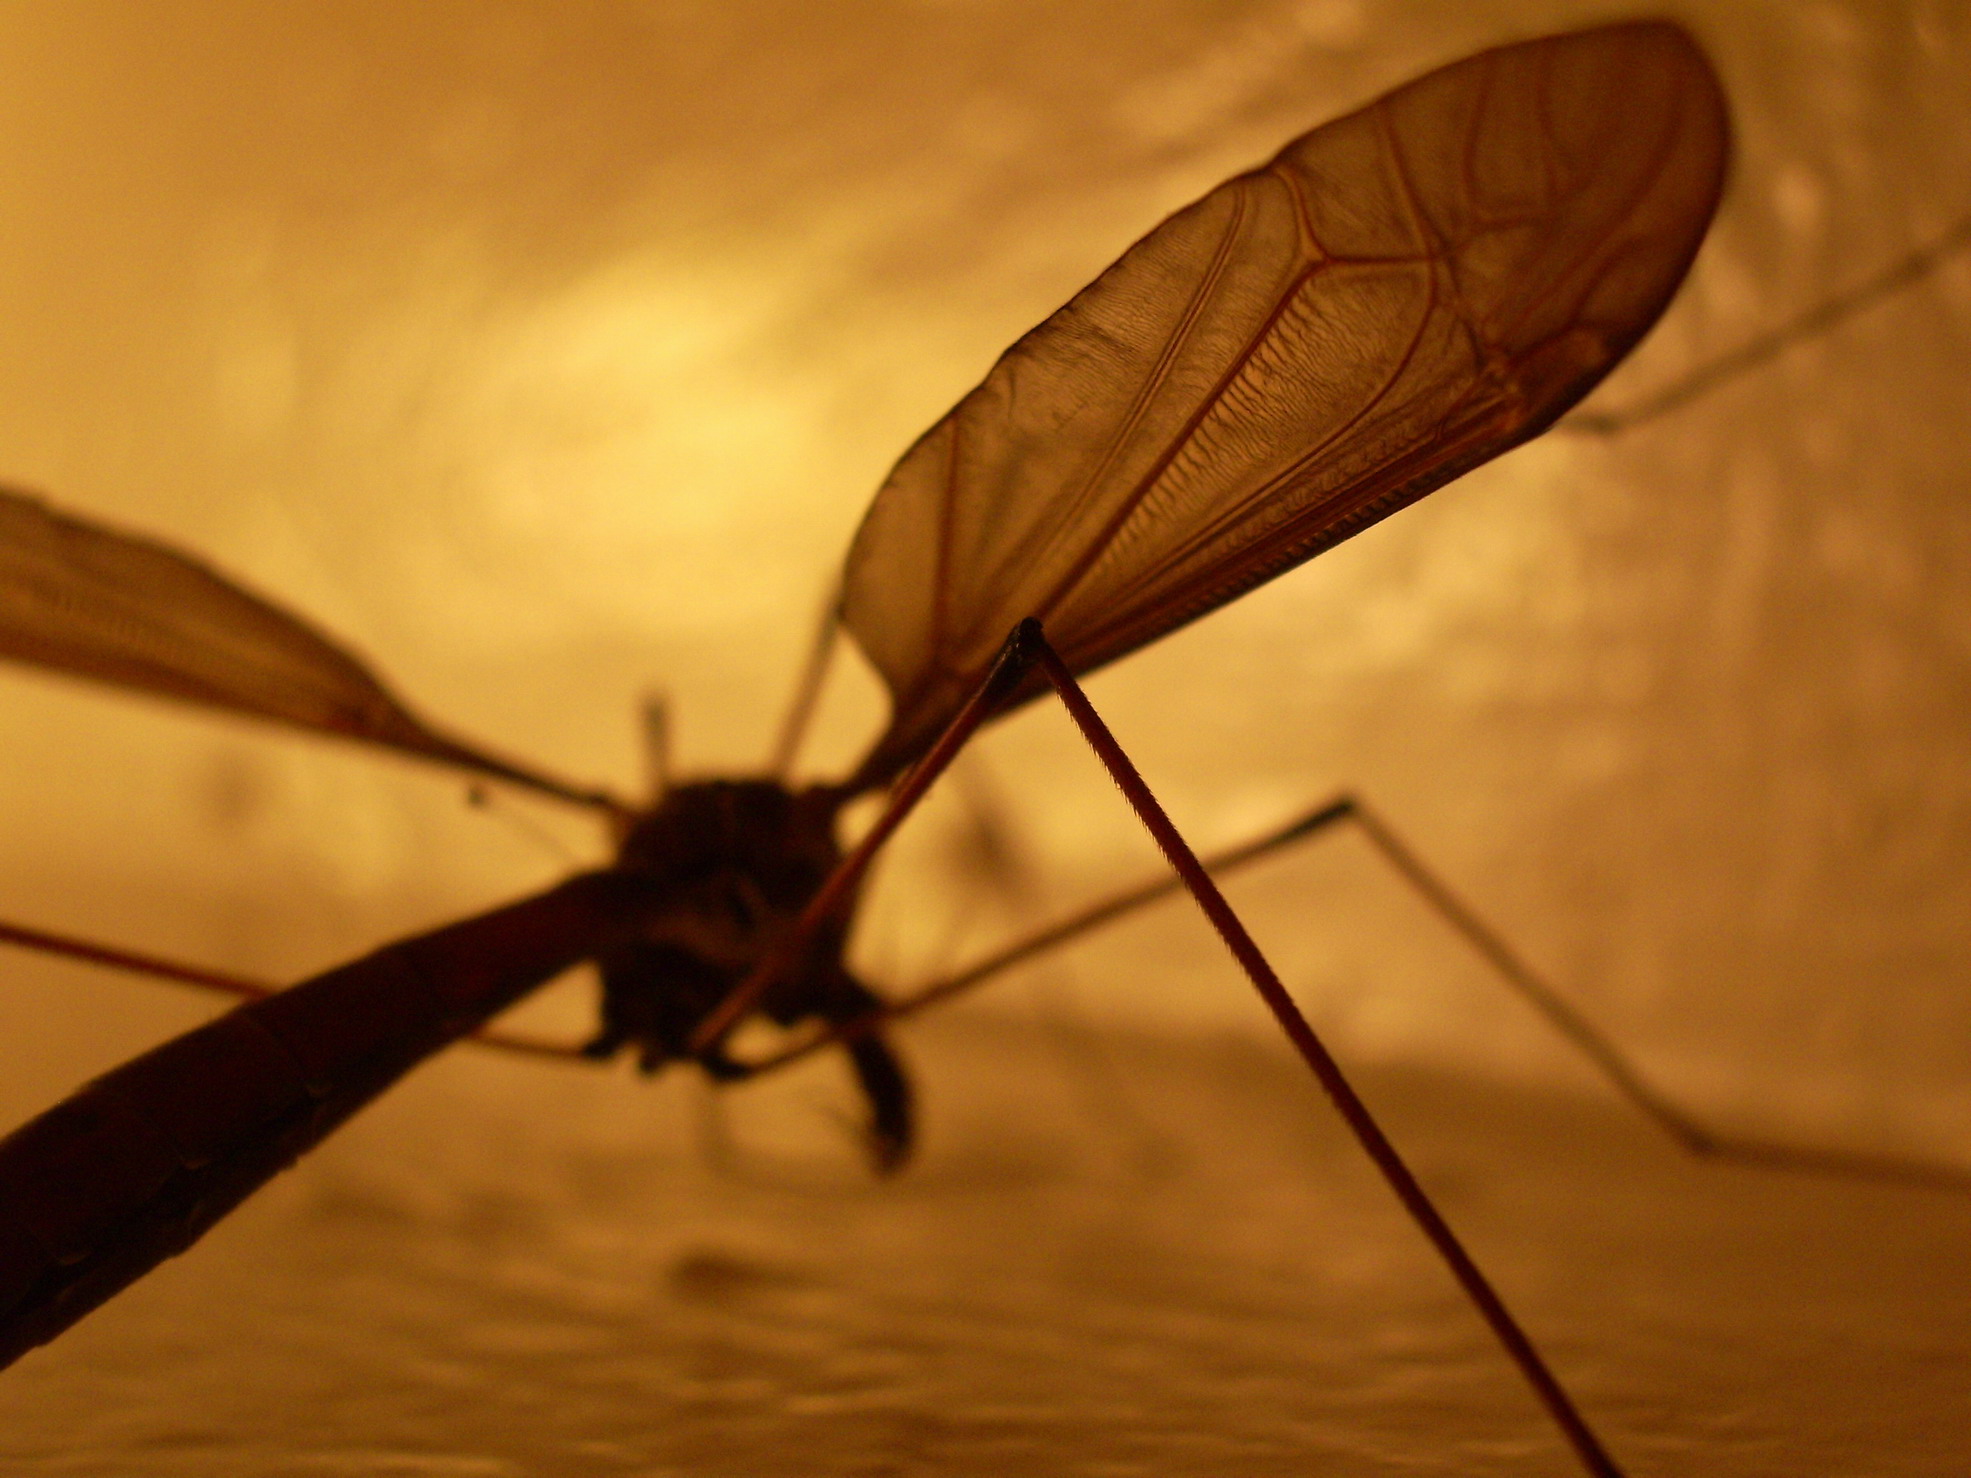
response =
{"points": [[135, 1166]]}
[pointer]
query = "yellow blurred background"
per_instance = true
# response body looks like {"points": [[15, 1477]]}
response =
{"points": [[549, 353]]}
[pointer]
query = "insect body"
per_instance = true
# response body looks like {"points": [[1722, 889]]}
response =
{"points": [[1395, 298], [736, 862]]}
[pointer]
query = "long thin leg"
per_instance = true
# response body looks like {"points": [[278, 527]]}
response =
{"points": [[1026, 648], [1621, 1071], [1055, 935], [1768, 346], [225, 983], [1560, 1406]]}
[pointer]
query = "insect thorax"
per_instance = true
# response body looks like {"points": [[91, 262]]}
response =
{"points": [[735, 861]]}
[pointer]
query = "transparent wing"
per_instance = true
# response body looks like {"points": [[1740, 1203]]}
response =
{"points": [[1396, 297], [86, 600]]}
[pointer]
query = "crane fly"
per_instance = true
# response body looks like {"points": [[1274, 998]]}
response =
{"points": [[1393, 299]]}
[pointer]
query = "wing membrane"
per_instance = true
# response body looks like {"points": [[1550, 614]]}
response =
{"points": [[1396, 297], [89, 601]]}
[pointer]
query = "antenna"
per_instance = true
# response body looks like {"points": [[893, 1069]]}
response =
{"points": [[654, 714], [807, 691]]}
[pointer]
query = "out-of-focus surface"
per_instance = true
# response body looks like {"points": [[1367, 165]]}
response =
{"points": [[550, 352], [1196, 1275]]}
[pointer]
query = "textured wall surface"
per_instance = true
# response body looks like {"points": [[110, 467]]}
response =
{"points": [[550, 352]]}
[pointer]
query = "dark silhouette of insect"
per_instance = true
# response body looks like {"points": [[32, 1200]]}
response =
{"points": [[1396, 297]]}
